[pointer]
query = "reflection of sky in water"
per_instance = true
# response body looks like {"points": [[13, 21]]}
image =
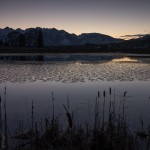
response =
{"points": [[125, 59], [19, 97], [35, 81]]}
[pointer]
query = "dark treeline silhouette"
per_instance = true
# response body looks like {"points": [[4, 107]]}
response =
{"points": [[74, 49], [40, 39], [18, 39], [32, 42]]}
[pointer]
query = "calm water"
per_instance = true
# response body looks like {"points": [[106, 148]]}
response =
{"points": [[80, 77]]}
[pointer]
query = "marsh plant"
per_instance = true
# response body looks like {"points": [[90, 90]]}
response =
{"points": [[108, 132]]}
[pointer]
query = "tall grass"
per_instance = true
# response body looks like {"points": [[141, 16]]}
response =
{"points": [[6, 125], [107, 133]]}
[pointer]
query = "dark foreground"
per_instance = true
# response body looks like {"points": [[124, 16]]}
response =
{"points": [[109, 132], [74, 49]]}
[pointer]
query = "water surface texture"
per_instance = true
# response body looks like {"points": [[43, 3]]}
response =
{"points": [[80, 79], [110, 70]]}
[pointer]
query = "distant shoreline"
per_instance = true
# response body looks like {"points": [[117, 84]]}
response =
{"points": [[70, 49]]}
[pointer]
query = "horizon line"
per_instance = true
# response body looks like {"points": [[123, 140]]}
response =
{"points": [[120, 36]]}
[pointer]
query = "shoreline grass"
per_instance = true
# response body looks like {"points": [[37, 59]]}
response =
{"points": [[108, 132]]}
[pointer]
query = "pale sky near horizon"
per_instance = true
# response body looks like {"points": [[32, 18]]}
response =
{"points": [[111, 17]]}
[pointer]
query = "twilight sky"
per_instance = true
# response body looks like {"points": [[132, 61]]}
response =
{"points": [[112, 17]]}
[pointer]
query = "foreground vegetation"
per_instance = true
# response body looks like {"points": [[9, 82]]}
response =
{"points": [[109, 132]]}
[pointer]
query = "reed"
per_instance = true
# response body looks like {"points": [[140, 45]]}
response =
{"points": [[6, 125], [110, 104], [1, 132], [89, 112], [53, 109], [96, 113], [123, 104], [32, 116], [69, 118], [114, 104], [104, 95], [1, 114], [113, 134]]}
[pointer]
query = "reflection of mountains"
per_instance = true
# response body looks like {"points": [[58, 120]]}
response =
{"points": [[57, 57], [73, 71]]}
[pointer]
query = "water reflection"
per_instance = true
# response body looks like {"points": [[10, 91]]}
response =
{"points": [[56, 57], [74, 71], [125, 59], [80, 96], [27, 81]]}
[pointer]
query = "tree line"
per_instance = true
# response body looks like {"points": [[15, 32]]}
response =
{"points": [[29, 39]]}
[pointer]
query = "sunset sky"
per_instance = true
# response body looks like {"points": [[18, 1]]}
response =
{"points": [[112, 17]]}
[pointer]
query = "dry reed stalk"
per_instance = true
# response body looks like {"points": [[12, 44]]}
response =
{"points": [[104, 95], [6, 127], [53, 109], [32, 115], [123, 107], [96, 113], [99, 108], [98, 94], [70, 123], [1, 134], [114, 106], [0, 113], [110, 101], [89, 111]]}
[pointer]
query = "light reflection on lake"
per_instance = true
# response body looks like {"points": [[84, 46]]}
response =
{"points": [[74, 71], [125, 59], [81, 80]]}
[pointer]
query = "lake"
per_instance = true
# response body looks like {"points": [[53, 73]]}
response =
{"points": [[75, 79]]}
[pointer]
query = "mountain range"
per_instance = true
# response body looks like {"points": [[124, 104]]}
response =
{"points": [[39, 37]]}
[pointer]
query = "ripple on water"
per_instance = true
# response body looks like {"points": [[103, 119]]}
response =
{"points": [[74, 71]]}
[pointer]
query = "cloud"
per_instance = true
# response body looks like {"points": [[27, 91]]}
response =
{"points": [[133, 36]]}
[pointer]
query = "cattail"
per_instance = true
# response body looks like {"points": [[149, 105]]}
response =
{"points": [[110, 90], [68, 117], [6, 127], [110, 100], [104, 93], [32, 117], [5, 91], [114, 100], [110, 107], [96, 112], [124, 93], [98, 94], [53, 111]]}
